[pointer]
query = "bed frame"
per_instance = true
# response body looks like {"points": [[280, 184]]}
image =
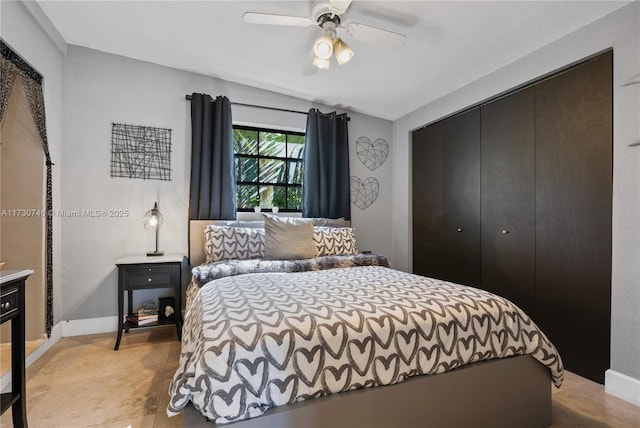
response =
{"points": [[509, 392]]}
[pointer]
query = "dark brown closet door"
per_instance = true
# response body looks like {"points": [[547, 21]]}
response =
{"points": [[573, 214], [429, 255], [446, 199], [461, 196], [508, 198]]}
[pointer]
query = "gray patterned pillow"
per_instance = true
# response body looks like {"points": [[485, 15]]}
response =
{"points": [[288, 238], [225, 243], [334, 241]]}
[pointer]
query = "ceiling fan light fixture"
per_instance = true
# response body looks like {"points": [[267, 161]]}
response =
{"points": [[329, 16], [322, 63], [342, 51], [323, 46]]}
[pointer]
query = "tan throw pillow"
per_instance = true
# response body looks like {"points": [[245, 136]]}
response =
{"points": [[288, 238]]}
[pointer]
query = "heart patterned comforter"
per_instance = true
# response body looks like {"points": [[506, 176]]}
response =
{"points": [[251, 342]]}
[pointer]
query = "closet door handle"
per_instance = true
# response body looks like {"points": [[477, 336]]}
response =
{"points": [[459, 229], [505, 231]]}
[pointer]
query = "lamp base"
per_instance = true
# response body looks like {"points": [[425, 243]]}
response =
{"points": [[155, 253]]}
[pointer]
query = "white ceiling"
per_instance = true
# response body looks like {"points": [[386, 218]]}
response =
{"points": [[449, 43]]}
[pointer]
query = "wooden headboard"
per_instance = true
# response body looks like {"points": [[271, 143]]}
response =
{"points": [[196, 240]]}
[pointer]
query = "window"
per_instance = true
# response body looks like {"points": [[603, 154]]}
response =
{"points": [[268, 168]]}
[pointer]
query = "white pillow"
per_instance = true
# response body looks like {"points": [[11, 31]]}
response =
{"points": [[288, 238], [333, 241], [224, 243]]}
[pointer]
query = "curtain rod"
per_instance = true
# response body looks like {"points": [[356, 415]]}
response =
{"points": [[188, 97]]}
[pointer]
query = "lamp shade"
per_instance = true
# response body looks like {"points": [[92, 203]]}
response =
{"points": [[322, 63], [153, 218], [323, 46], [342, 51]]}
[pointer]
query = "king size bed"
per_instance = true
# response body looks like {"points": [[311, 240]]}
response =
{"points": [[334, 338]]}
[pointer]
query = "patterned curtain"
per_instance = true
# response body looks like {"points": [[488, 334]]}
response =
{"points": [[8, 72], [12, 66]]}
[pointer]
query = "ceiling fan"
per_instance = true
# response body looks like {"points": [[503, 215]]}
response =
{"points": [[329, 16]]}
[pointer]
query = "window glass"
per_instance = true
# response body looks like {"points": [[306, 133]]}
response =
{"points": [[273, 171], [246, 169], [268, 168], [294, 198], [248, 196], [295, 146], [245, 141], [273, 144], [295, 172]]}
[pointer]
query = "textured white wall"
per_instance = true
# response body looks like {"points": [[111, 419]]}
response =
{"points": [[373, 224], [620, 30], [99, 89]]}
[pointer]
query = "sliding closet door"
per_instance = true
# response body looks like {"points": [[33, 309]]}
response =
{"points": [[508, 196], [446, 199], [429, 250], [461, 195], [573, 214]]}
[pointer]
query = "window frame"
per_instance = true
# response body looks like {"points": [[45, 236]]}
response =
{"points": [[258, 157]]}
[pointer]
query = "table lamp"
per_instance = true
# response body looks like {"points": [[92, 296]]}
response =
{"points": [[153, 220]]}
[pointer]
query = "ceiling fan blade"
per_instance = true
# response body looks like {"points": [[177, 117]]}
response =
{"points": [[374, 35], [338, 7], [269, 19]]}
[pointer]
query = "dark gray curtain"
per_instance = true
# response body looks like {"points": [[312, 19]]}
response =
{"points": [[325, 182], [213, 177]]}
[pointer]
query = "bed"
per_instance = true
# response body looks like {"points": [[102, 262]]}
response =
{"points": [[343, 340]]}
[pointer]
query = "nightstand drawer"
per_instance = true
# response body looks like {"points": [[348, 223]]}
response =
{"points": [[9, 303], [151, 276], [154, 280]]}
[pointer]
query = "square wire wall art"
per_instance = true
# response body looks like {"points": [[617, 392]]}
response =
{"points": [[140, 152]]}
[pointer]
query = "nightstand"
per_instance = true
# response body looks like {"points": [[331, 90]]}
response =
{"points": [[146, 273]]}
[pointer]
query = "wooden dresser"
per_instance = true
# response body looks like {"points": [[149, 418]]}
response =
{"points": [[12, 308]]}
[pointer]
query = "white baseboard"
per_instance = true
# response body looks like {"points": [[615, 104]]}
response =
{"points": [[45, 345], [65, 329], [89, 326], [622, 386]]}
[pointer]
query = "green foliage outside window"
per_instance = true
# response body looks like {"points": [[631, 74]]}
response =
{"points": [[268, 168]]}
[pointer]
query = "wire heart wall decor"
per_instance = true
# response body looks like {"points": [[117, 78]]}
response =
{"points": [[364, 193], [372, 155]]}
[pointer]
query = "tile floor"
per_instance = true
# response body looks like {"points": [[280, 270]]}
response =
{"points": [[5, 353], [81, 382]]}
